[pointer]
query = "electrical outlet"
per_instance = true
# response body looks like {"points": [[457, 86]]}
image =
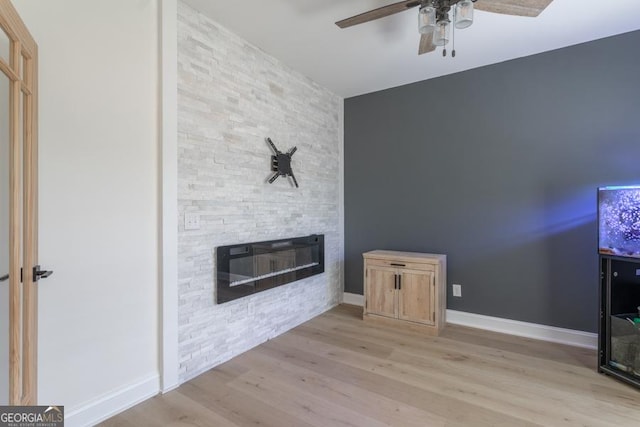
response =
{"points": [[191, 221], [457, 290]]}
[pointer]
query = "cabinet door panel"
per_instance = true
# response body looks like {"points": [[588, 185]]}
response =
{"points": [[416, 297], [381, 293]]}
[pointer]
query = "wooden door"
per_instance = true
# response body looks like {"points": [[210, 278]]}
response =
{"points": [[416, 296], [381, 293], [18, 182], [5, 85]]}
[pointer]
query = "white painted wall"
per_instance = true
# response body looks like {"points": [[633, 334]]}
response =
{"points": [[99, 204], [4, 237]]}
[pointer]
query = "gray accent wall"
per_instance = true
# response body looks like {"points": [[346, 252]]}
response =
{"points": [[497, 168]]}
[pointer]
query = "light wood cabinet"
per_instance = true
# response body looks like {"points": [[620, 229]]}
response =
{"points": [[405, 287]]}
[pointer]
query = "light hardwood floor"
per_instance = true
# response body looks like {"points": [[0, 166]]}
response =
{"points": [[337, 370]]}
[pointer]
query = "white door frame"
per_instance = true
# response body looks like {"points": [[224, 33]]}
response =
{"points": [[168, 329]]}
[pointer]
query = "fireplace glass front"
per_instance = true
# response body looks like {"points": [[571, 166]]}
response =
{"points": [[248, 268]]}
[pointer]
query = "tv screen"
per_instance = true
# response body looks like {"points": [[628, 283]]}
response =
{"points": [[619, 221]]}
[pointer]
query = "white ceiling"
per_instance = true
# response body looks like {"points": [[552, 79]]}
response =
{"points": [[383, 53]]}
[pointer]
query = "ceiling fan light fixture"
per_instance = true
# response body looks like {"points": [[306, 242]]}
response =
{"points": [[434, 30], [426, 19], [464, 14], [441, 32]]}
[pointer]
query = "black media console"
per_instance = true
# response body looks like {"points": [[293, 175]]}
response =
{"points": [[619, 330]]}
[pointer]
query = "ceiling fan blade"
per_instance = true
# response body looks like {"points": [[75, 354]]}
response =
{"points": [[380, 12], [530, 8], [426, 43]]}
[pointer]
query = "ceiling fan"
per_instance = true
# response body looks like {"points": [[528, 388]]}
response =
{"points": [[433, 17]]}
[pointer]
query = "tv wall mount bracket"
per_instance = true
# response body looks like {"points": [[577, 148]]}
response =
{"points": [[281, 163]]}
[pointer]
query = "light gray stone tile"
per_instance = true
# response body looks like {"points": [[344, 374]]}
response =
{"points": [[231, 95]]}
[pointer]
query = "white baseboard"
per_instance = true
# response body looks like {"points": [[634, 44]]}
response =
{"points": [[507, 326], [353, 299], [524, 329], [112, 403]]}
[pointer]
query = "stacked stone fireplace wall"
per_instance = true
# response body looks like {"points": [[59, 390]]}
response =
{"points": [[231, 95]]}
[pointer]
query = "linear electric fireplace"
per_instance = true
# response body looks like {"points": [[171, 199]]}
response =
{"points": [[253, 267]]}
